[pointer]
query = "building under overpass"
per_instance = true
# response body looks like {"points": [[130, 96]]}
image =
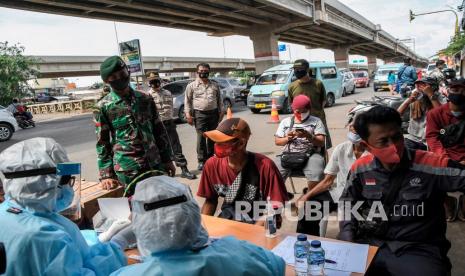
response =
{"points": [[314, 23]]}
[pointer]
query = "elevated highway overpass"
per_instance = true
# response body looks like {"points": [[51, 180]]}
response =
{"points": [[326, 24], [79, 66], [75, 66]]}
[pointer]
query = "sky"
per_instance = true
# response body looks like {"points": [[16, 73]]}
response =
{"points": [[46, 34]]}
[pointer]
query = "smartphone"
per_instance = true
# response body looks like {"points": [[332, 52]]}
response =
{"points": [[299, 129]]}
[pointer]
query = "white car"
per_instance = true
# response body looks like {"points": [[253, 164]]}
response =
{"points": [[8, 124], [431, 67], [348, 83]]}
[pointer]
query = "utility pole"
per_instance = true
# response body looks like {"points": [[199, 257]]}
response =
{"points": [[224, 49], [290, 54], [461, 9], [117, 41]]}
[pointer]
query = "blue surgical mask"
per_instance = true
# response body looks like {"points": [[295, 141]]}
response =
{"points": [[456, 113], [64, 198], [354, 137]]}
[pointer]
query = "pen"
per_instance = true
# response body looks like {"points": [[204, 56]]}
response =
{"points": [[330, 261]]}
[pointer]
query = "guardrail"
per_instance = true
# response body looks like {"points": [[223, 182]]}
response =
{"points": [[62, 107], [341, 21]]}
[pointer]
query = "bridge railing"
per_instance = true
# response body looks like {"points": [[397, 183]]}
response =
{"points": [[79, 106], [385, 41], [338, 19]]}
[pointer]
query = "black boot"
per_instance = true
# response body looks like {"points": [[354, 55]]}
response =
{"points": [[200, 166], [187, 174]]}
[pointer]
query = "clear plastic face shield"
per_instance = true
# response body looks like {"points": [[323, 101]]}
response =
{"points": [[71, 175], [68, 195]]}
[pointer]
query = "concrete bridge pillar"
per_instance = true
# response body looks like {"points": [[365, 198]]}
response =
{"points": [[341, 56], [265, 46], [371, 59]]}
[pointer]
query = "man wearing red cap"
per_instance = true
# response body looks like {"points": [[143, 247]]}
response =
{"points": [[303, 133], [236, 174], [312, 88]]}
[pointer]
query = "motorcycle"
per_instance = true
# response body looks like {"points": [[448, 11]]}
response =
{"points": [[23, 121], [395, 102], [449, 76], [391, 101]]}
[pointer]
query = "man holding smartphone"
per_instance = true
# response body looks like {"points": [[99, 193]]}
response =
{"points": [[303, 133]]}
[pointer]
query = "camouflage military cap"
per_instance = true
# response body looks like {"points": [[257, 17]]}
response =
{"points": [[110, 65], [152, 75]]}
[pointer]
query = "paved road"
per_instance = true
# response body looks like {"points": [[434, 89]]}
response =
{"points": [[77, 135]]}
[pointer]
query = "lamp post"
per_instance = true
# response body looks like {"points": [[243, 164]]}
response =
{"points": [[409, 40], [117, 40], [412, 17]]}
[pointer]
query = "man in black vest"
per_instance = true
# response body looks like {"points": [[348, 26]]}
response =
{"points": [[236, 174], [394, 199]]}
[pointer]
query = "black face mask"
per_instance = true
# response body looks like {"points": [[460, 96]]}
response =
{"points": [[120, 84], [300, 73], [155, 83], [204, 75], [457, 99]]}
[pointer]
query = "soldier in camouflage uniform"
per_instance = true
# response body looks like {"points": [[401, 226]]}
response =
{"points": [[131, 138], [164, 103]]}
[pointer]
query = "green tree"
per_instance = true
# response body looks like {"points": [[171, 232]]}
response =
{"points": [[456, 44], [243, 75], [15, 70]]}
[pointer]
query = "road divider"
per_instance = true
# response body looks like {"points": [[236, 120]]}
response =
{"points": [[77, 106]]}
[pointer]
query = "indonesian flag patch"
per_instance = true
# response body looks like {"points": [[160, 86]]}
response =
{"points": [[370, 182]]}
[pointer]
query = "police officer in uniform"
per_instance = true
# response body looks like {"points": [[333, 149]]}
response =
{"points": [[131, 138], [204, 109], [402, 192], [164, 103]]}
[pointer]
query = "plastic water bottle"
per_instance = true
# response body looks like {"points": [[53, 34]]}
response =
{"points": [[300, 254], [316, 259], [270, 221]]}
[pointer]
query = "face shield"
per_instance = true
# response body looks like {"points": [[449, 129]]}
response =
{"points": [[166, 217], [38, 175]]}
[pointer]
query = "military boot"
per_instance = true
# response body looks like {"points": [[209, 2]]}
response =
{"points": [[186, 173]]}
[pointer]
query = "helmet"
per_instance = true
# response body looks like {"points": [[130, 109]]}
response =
{"points": [[433, 82], [449, 73]]}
